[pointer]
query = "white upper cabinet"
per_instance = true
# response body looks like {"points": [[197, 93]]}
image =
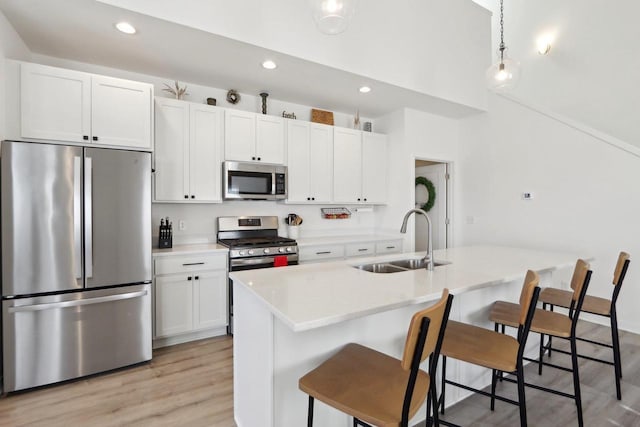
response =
{"points": [[347, 165], [359, 167], [205, 153], [251, 137], [55, 103], [269, 139], [239, 136], [188, 152], [310, 162], [120, 112], [374, 168], [70, 106]]}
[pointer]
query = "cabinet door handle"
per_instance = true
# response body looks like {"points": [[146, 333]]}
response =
{"points": [[189, 278], [363, 250], [358, 199], [259, 158], [391, 247], [193, 263], [253, 158], [323, 253], [186, 196], [365, 200], [193, 197], [313, 198], [95, 138], [197, 277], [308, 198], [85, 137]]}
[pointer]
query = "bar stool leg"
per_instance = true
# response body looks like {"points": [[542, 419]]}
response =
{"points": [[521, 398], [615, 339], [434, 398], [443, 379], [310, 413], [576, 380], [541, 354], [494, 377]]}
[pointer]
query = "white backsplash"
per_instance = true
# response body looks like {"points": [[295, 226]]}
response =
{"points": [[201, 227]]}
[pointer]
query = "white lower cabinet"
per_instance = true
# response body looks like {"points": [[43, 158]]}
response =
{"points": [[190, 295], [353, 249]]}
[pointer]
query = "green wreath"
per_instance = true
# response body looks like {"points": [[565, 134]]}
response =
{"points": [[421, 180]]}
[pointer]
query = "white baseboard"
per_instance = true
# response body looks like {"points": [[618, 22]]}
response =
{"points": [[191, 336]]}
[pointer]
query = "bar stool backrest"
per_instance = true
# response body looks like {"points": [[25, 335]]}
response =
{"points": [[531, 280], [618, 274], [436, 315], [578, 280]]}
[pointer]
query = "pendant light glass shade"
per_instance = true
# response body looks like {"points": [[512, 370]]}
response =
{"points": [[504, 74], [333, 16]]}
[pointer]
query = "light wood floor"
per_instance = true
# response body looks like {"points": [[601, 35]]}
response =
{"points": [[184, 385], [192, 385]]}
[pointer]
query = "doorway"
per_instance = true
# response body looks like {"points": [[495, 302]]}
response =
{"points": [[437, 174]]}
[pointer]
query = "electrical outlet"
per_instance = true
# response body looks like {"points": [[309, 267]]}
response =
{"points": [[181, 225]]}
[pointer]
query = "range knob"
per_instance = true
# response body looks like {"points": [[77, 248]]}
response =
{"points": [[250, 252], [267, 250], [242, 253], [289, 249], [281, 250]]}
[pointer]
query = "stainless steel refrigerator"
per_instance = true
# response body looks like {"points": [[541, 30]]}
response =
{"points": [[76, 261]]}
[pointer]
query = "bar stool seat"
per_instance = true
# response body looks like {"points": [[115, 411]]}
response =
{"points": [[366, 384], [544, 322], [562, 298], [377, 389], [481, 346]]}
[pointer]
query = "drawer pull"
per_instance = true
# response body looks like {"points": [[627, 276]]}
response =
{"points": [[391, 247], [193, 263], [323, 253], [363, 250]]}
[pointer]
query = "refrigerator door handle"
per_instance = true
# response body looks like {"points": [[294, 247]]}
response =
{"points": [[77, 220], [76, 303], [88, 216]]}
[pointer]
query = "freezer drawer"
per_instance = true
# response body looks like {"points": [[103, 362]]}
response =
{"points": [[60, 337]]}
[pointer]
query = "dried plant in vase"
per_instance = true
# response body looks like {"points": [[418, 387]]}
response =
{"points": [[178, 92]]}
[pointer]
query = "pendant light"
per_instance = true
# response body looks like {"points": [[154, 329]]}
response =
{"points": [[332, 16], [505, 73]]}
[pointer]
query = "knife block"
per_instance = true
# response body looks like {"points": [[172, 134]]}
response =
{"points": [[165, 237]]}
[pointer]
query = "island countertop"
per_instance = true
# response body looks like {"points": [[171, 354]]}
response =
{"points": [[310, 296]]}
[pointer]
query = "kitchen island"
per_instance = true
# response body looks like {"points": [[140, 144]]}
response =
{"points": [[289, 320]]}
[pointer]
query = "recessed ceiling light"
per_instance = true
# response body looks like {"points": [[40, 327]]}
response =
{"points": [[365, 89], [269, 65], [126, 28]]}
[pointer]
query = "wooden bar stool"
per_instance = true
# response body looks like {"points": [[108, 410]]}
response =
{"points": [[598, 306], [377, 389], [553, 324], [490, 349]]}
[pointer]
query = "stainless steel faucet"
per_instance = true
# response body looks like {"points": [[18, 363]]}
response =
{"points": [[429, 256]]}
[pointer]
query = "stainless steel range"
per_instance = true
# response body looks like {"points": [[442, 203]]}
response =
{"points": [[253, 243]]}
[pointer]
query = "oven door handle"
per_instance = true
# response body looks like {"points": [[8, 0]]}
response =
{"points": [[242, 262]]}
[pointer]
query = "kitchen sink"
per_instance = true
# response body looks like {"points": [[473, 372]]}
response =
{"points": [[398, 266], [416, 263]]}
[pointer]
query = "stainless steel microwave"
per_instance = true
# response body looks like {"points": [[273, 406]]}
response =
{"points": [[254, 181]]}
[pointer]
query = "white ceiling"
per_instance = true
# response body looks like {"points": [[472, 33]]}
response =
{"points": [[82, 30]]}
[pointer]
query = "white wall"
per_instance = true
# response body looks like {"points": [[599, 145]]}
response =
{"points": [[414, 134], [11, 46], [585, 193]]}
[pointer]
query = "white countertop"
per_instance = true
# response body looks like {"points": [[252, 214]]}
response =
{"points": [[189, 249], [349, 238], [314, 295]]}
